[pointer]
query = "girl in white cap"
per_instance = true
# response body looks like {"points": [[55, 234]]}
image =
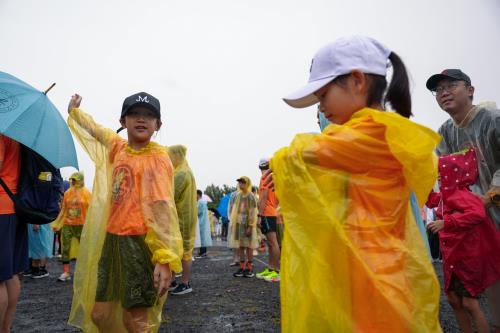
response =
{"points": [[352, 258]]}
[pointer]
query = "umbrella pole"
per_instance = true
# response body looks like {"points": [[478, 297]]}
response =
{"points": [[48, 89]]}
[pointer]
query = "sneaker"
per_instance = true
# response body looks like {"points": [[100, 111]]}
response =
{"points": [[234, 264], [64, 277], [239, 272], [173, 286], [272, 277], [262, 274], [201, 256], [41, 273], [182, 289], [248, 273], [29, 272]]}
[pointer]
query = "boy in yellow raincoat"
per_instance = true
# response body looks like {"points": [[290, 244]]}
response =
{"points": [[131, 241], [186, 204], [352, 258], [71, 218]]}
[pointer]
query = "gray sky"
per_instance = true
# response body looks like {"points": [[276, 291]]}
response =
{"points": [[220, 68]]}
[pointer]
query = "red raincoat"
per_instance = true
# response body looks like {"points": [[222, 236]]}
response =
{"points": [[469, 241]]}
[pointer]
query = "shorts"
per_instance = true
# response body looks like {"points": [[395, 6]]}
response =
{"points": [[13, 246], [458, 288], [267, 224], [67, 233], [125, 272]]}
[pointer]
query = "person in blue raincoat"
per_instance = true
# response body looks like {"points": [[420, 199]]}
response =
{"points": [[204, 225]]}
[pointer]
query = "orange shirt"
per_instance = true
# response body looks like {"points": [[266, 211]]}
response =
{"points": [[271, 201], [10, 157], [138, 181], [75, 205]]}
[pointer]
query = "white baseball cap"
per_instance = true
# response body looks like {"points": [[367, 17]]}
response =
{"points": [[338, 58], [264, 161]]}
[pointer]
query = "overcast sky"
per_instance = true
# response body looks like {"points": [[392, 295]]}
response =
{"points": [[220, 68]]}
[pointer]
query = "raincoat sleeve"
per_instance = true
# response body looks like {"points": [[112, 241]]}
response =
{"points": [[253, 212], [495, 181], [468, 211], [58, 223], [181, 182], [433, 200], [103, 135], [163, 238]]}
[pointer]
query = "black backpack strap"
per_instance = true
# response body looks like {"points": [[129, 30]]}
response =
{"points": [[7, 189]]}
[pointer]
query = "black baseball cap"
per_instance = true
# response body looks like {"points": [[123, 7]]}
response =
{"points": [[141, 99], [447, 74]]}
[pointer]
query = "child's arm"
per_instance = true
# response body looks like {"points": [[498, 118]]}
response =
{"points": [[104, 135]]}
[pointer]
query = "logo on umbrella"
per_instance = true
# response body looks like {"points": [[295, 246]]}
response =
{"points": [[7, 101]]}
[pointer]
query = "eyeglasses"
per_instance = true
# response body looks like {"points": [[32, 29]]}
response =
{"points": [[448, 87]]}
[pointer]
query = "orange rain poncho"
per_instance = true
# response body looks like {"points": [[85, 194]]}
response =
{"points": [[73, 213], [353, 259], [132, 195], [75, 204]]}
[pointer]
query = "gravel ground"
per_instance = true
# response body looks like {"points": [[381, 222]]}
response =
{"points": [[219, 302]]}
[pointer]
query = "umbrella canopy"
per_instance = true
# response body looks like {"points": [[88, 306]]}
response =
{"points": [[206, 198], [29, 117], [223, 204]]}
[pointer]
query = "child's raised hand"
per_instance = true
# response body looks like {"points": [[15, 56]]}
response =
{"points": [[436, 226], [74, 103], [161, 278]]}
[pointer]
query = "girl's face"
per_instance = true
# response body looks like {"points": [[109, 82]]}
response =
{"points": [[141, 123], [339, 100]]}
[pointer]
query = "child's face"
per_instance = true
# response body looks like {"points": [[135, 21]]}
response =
{"points": [[338, 101], [141, 123]]}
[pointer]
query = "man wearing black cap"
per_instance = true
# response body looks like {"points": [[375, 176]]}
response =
{"points": [[475, 126]]}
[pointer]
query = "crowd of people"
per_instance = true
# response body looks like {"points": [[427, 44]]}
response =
{"points": [[340, 210]]}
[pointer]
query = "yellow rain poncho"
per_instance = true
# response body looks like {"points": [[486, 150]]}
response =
{"points": [[132, 197], [185, 198], [353, 259], [72, 216], [243, 214]]}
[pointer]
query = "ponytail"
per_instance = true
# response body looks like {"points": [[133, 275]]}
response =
{"points": [[398, 93]]}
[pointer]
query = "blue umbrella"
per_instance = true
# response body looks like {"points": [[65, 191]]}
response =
{"points": [[29, 117], [224, 202]]}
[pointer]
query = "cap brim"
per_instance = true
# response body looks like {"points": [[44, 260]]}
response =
{"points": [[305, 97], [433, 81], [143, 104]]}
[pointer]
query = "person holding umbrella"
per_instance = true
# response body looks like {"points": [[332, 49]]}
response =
{"points": [[13, 235], [26, 117]]}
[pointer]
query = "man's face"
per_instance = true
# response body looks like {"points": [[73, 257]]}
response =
{"points": [[453, 96]]}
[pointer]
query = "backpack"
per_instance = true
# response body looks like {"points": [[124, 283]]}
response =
{"points": [[39, 191]]}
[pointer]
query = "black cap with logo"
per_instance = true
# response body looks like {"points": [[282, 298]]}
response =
{"points": [[447, 74], [141, 99]]}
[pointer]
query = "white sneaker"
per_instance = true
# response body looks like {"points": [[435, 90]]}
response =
{"points": [[64, 277]]}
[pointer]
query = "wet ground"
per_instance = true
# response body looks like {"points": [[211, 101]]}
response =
{"points": [[219, 302]]}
